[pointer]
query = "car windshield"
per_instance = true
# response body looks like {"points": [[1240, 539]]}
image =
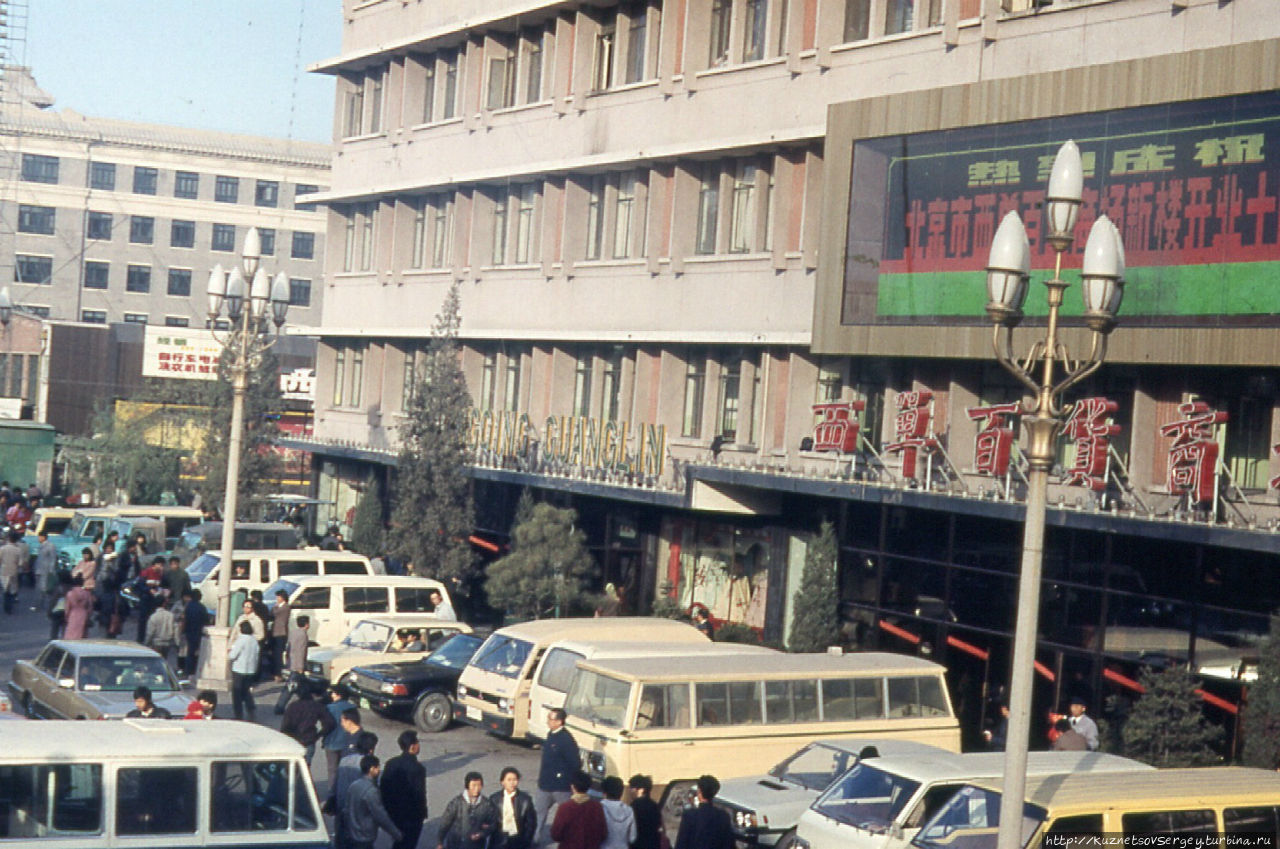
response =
{"points": [[455, 653], [118, 674], [971, 819], [503, 655], [371, 636], [201, 567], [598, 698], [815, 766], [867, 797], [55, 524]]}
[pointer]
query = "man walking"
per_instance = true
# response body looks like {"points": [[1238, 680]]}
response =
{"points": [[161, 633], [1083, 724], [364, 812], [306, 720], [469, 818], [46, 567], [244, 668], [517, 820], [279, 632], [194, 619], [404, 790], [176, 580], [348, 772], [345, 716], [706, 826], [13, 557], [555, 771], [579, 822], [296, 656]]}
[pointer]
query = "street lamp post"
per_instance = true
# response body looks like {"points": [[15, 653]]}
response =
{"points": [[249, 336], [1102, 282]]}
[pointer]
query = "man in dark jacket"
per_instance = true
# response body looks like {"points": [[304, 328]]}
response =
{"points": [[517, 821], [363, 810], [559, 762], [469, 818], [194, 619], [404, 790], [579, 822], [648, 814], [307, 720], [706, 826]]}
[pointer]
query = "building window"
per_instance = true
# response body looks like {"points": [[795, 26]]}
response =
{"points": [[339, 373], [299, 192], [299, 292], [695, 384], [526, 207], [857, 19], [730, 394], [186, 184], [488, 380], [35, 219], [138, 279], [268, 240], [441, 230], [266, 193], [511, 397], [708, 210], [93, 316], [355, 107], [429, 90], [224, 237], [611, 384], [533, 50], [96, 274], [450, 96], [755, 14], [595, 215], [142, 229], [628, 219], [605, 42], [375, 108], [499, 254], [304, 245], [418, 254], [582, 385], [357, 375], [226, 189], [830, 381], [176, 321], [502, 77], [39, 169], [366, 236], [144, 180], [349, 243], [102, 175], [98, 227], [38, 311], [408, 378], [33, 269], [742, 221], [135, 317], [721, 14], [182, 234], [180, 282], [898, 16]]}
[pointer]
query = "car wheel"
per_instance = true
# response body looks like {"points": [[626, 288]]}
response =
{"points": [[433, 712], [786, 841]]}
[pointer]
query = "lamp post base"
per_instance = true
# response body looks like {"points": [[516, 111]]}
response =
{"points": [[215, 668]]}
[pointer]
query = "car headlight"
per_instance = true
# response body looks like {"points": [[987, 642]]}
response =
{"points": [[504, 704], [745, 819], [462, 692], [315, 666], [386, 687], [595, 763]]}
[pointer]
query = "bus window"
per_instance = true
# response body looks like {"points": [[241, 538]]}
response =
{"points": [[250, 796], [414, 600], [1252, 821], [791, 701], [1075, 832], [557, 669], [304, 815], [1199, 821], [663, 706], [851, 698], [27, 791], [312, 598], [744, 703], [156, 800], [917, 696], [289, 568], [713, 703], [364, 600]]}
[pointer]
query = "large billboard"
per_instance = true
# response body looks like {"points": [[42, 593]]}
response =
{"points": [[1193, 186]]}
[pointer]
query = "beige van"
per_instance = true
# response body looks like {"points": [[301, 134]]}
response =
{"points": [[335, 603], [493, 691], [1193, 806], [258, 570], [554, 674], [739, 714]]}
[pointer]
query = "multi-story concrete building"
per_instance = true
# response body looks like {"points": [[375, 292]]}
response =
{"points": [[104, 220], [720, 265]]}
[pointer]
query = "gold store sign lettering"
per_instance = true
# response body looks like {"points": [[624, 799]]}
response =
{"points": [[575, 440]]}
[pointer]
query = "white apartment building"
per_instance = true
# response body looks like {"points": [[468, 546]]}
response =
{"points": [[103, 220], [647, 206]]}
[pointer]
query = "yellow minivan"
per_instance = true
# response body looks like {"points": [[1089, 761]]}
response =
{"points": [[737, 715], [1096, 809], [493, 690]]}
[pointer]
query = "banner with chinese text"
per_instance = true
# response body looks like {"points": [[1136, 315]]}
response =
{"points": [[188, 353]]}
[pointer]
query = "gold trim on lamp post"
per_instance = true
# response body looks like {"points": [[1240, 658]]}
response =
{"points": [[1008, 273]]}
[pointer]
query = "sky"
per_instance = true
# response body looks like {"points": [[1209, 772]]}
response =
{"points": [[232, 65]]}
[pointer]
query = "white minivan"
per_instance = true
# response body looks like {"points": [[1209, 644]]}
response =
{"points": [[259, 569], [554, 673], [335, 603]]}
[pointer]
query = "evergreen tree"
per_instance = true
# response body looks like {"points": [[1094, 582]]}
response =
{"points": [[548, 567], [126, 455], [259, 465], [1166, 727], [366, 527], [815, 617], [1262, 711], [434, 512]]}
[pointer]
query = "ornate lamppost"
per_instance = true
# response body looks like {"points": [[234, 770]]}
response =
{"points": [[1008, 274], [245, 293]]}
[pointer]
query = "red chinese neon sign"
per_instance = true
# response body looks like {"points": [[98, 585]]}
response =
{"points": [[994, 443], [1089, 429], [838, 428], [913, 430], [1193, 458]]}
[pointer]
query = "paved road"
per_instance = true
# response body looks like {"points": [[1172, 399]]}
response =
{"points": [[447, 756]]}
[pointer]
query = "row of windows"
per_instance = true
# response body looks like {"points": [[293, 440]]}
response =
{"points": [[37, 168], [97, 275], [516, 67], [90, 316], [734, 214], [19, 374], [100, 226]]}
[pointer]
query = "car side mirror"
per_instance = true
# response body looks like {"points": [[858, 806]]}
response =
{"points": [[67, 683], [895, 831]]}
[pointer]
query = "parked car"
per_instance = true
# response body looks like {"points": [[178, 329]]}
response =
{"points": [[51, 520], [405, 637], [249, 536], [92, 679], [336, 602], [423, 690]]}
